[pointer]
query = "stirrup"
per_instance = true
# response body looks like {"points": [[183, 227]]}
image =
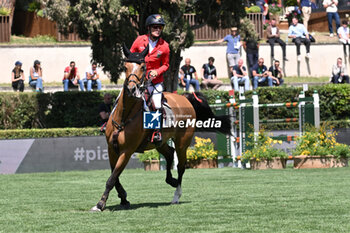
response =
{"points": [[156, 137]]}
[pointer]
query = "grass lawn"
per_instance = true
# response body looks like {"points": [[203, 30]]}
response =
{"points": [[213, 200]]}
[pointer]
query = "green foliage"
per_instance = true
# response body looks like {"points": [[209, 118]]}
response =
{"points": [[321, 142], [262, 148], [34, 6], [148, 155], [203, 149], [247, 30], [4, 11], [290, 3], [48, 133], [53, 110], [253, 9]]}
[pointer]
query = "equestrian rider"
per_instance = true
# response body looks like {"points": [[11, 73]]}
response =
{"points": [[157, 61]]}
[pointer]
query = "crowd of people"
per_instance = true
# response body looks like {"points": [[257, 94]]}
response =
{"points": [[71, 77]]}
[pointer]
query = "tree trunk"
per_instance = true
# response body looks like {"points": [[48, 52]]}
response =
{"points": [[172, 75]]}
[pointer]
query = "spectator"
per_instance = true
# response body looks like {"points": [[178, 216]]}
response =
{"points": [[273, 36], [251, 46], [35, 78], [332, 13], [186, 75], [343, 33], [240, 75], [233, 46], [71, 77], [105, 108], [92, 77], [261, 75], [306, 9], [300, 35], [17, 77], [339, 72], [208, 73], [276, 74], [264, 8]]}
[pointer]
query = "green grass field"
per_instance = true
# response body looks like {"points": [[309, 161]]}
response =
{"points": [[213, 200]]}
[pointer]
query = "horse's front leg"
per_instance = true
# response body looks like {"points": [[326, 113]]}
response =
{"points": [[112, 181]]}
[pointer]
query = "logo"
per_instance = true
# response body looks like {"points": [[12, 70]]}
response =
{"points": [[151, 120]]}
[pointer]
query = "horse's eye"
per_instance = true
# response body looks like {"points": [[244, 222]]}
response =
{"points": [[143, 68], [124, 68]]}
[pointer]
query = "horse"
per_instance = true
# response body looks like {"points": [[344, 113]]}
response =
{"points": [[125, 134]]}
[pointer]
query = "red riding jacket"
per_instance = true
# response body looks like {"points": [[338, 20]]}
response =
{"points": [[157, 60]]}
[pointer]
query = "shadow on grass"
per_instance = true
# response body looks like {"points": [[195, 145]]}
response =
{"points": [[143, 205]]}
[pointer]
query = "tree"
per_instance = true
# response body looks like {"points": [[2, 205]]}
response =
{"points": [[109, 23]]}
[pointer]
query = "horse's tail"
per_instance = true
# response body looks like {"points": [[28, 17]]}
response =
{"points": [[204, 113]]}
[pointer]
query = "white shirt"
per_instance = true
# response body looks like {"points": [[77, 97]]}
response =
{"points": [[273, 30], [152, 44], [344, 32], [331, 8], [90, 71]]}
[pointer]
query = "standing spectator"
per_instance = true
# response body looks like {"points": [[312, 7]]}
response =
{"points": [[273, 36], [276, 74], [240, 75], [186, 75], [261, 75], [343, 33], [306, 9], [71, 77], [35, 78], [208, 73], [298, 32], [251, 46], [339, 72], [233, 45], [105, 108], [332, 13], [264, 8], [17, 77], [92, 77]]}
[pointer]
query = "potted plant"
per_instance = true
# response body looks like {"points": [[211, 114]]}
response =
{"points": [[275, 10], [150, 160], [263, 155], [318, 148], [202, 155]]}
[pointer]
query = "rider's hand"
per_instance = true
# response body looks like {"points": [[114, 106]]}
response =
{"points": [[153, 74]]}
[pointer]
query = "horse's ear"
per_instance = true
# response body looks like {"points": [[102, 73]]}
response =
{"points": [[126, 51], [145, 51]]}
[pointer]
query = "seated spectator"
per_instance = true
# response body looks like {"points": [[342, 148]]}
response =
{"points": [[298, 32], [17, 77], [339, 72], [71, 77], [209, 75], [186, 75], [344, 38], [105, 108], [36, 77], [240, 76], [273, 36], [92, 77], [276, 74], [261, 76]]}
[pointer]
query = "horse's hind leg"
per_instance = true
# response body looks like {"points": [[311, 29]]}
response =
{"points": [[181, 155], [168, 153]]}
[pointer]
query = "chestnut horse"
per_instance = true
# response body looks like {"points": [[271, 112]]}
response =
{"points": [[125, 133]]}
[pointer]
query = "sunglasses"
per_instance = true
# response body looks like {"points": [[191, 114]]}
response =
{"points": [[157, 27]]}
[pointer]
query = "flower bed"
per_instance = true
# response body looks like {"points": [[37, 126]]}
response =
{"points": [[329, 161], [202, 155]]}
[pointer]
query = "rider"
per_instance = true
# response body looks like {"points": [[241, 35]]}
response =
{"points": [[157, 61]]}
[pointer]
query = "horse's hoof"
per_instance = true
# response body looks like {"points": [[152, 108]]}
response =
{"points": [[95, 209], [175, 202], [125, 205]]}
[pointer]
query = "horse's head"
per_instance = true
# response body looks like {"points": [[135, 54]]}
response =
{"points": [[135, 71]]}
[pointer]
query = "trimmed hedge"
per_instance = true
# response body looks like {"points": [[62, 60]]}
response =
{"points": [[48, 133], [80, 109]]}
